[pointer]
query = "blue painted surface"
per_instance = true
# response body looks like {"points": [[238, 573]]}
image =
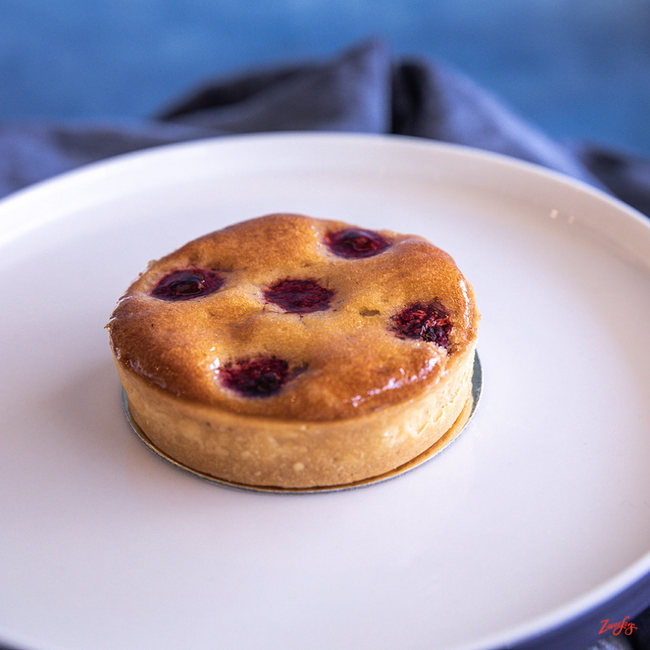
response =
{"points": [[580, 69]]}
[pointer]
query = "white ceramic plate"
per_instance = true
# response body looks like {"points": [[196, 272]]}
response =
{"points": [[537, 513]]}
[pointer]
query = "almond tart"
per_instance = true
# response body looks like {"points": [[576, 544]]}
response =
{"points": [[294, 353]]}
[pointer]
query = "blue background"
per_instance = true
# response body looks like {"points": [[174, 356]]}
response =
{"points": [[579, 69]]}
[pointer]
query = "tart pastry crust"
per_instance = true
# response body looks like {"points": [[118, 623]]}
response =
{"points": [[296, 352]]}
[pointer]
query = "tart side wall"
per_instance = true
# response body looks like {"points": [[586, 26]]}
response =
{"points": [[262, 452]]}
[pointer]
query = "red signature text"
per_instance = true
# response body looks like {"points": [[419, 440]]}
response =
{"points": [[617, 628]]}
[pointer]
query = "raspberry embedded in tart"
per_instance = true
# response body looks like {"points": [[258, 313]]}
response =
{"points": [[185, 284], [354, 242], [429, 322], [299, 296], [256, 377]]}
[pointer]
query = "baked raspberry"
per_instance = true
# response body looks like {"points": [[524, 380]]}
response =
{"points": [[256, 377], [185, 284], [354, 242], [429, 322], [299, 296]]}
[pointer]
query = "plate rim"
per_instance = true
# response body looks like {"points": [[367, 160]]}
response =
{"points": [[117, 165]]}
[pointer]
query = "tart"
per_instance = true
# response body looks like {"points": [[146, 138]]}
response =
{"points": [[291, 352]]}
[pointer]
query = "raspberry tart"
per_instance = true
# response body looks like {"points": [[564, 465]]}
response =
{"points": [[295, 353]]}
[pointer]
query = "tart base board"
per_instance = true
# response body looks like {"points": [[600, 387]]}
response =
{"points": [[459, 425]]}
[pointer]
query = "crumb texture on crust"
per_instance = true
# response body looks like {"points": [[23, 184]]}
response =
{"points": [[339, 360]]}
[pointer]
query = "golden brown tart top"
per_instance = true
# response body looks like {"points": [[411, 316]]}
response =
{"points": [[290, 317]]}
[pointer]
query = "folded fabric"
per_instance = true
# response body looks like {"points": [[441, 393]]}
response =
{"points": [[362, 90]]}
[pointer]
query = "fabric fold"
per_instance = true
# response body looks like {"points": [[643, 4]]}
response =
{"points": [[349, 93], [363, 89], [439, 103]]}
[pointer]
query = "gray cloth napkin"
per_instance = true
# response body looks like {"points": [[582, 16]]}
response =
{"points": [[362, 90]]}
